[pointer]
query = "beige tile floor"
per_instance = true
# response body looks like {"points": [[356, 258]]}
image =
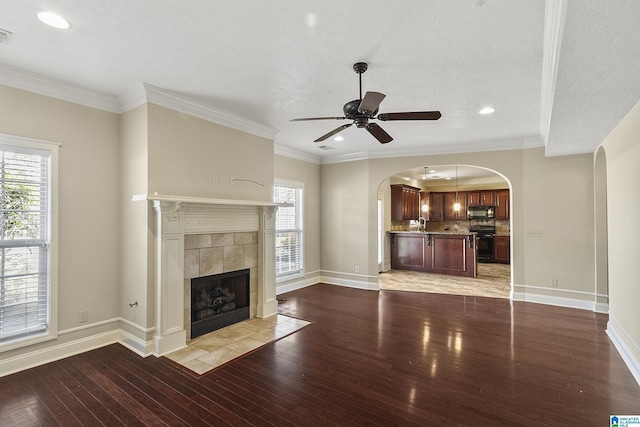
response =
{"points": [[493, 280], [216, 348]]}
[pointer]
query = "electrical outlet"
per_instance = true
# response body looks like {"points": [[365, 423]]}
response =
{"points": [[534, 233], [232, 179], [357, 269], [214, 178], [83, 316], [554, 283]]}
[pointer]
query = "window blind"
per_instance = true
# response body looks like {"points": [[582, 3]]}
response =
{"points": [[24, 230], [289, 232]]}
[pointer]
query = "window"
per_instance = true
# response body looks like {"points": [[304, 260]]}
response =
{"points": [[289, 235], [26, 283]]}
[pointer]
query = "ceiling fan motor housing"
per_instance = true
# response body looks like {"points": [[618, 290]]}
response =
{"points": [[351, 112]]}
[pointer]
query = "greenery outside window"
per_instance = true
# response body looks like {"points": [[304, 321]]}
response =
{"points": [[27, 285], [289, 229]]}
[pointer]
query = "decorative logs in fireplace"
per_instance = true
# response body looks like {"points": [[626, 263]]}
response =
{"points": [[219, 300]]}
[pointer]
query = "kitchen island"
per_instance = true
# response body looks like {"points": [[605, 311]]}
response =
{"points": [[435, 252]]}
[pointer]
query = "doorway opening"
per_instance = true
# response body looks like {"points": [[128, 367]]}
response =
{"points": [[431, 210]]}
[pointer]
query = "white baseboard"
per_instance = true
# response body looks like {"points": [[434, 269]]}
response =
{"points": [[330, 277], [530, 294], [619, 338], [303, 282], [357, 282], [89, 341], [57, 352], [601, 307]]}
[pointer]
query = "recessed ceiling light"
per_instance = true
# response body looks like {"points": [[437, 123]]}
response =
{"points": [[447, 178], [339, 138], [432, 171], [487, 110], [53, 20]]}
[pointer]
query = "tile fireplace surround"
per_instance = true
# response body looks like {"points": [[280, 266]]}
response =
{"points": [[223, 234]]}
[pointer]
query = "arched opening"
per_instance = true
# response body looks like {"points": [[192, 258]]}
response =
{"points": [[601, 235], [433, 212]]}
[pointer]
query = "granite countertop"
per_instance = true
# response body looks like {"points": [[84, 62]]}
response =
{"points": [[458, 233]]}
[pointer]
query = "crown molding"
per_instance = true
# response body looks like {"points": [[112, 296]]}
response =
{"points": [[295, 154], [555, 12], [184, 104], [527, 141], [42, 85]]}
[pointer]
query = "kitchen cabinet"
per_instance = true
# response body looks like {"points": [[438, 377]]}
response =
{"points": [[436, 206], [407, 251], [501, 251], [441, 253], [502, 204], [405, 202], [481, 198], [449, 200], [473, 198], [487, 198]]}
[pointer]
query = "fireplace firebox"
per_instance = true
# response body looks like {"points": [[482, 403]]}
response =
{"points": [[219, 300]]}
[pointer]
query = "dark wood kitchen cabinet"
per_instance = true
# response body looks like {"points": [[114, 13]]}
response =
{"points": [[408, 251], [440, 253], [473, 198], [436, 206], [481, 198], [487, 198], [449, 200], [501, 251], [502, 204], [405, 202]]}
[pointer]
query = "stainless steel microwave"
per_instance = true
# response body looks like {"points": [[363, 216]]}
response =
{"points": [[481, 212]]}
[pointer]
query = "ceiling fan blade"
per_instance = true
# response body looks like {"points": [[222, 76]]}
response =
{"points": [[333, 132], [371, 102], [317, 118], [418, 115], [379, 133]]}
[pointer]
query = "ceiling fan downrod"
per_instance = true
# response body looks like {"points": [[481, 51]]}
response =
{"points": [[360, 67]]}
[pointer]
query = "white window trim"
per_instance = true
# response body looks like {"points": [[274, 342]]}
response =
{"points": [[51, 331], [301, 273]]}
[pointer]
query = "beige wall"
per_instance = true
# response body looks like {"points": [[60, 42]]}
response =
{"points": [[348, 218], [309, 174], [89, 199], [622, 148], [137, 255], [549, 194], [185, 151]]}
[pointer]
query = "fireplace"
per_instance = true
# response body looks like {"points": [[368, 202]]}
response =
{"points": [[219, 300], [179, 219]]}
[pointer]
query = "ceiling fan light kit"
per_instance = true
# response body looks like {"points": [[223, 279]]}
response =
{"points": [[363, 109]]}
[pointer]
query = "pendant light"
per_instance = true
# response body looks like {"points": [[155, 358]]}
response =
{"points": [[456, 205], [425, 204]]}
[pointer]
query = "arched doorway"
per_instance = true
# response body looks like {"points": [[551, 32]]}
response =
{"points": [[601, 235], [438, 187]]}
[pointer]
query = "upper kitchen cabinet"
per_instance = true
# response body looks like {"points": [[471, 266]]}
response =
{"points": [[405, 202], [502, 204], [481, 198], [449, 200], [436, 206]]}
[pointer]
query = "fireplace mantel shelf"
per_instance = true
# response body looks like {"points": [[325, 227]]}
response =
{"points": [[201, 200]]}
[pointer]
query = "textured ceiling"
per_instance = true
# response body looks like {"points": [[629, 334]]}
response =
{"points": [[558, 73]]}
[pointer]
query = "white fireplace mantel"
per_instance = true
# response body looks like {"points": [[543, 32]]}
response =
{"points": [[177, 216]]}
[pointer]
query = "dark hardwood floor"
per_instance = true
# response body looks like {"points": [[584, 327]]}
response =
{"points": [[370, 358]]}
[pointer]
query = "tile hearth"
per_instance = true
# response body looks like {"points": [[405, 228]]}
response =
{"points": [[216, 348]]}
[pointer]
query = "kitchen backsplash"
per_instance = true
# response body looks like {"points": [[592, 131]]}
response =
{"points": [[502, 226]]}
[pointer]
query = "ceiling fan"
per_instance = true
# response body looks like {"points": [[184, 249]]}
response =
{"points": [[364, 109]]}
